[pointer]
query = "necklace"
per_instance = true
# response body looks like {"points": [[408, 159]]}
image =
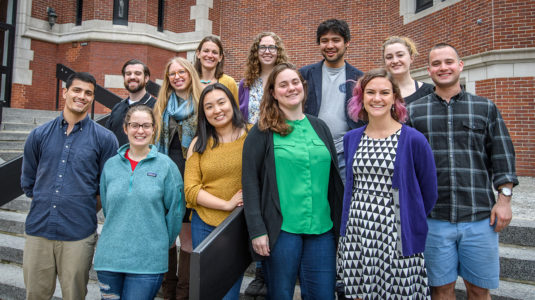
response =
{"points": [[205, 81]]}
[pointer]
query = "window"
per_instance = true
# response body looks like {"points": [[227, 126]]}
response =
{"points": [[423, 4], [120, 12], [160, 15], [79, 5]]}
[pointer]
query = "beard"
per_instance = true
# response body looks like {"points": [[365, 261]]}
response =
{"points": [[140, 86]]}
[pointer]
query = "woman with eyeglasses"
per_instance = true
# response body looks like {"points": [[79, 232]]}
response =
{"points": [[209, 61], [266, 52], [176, 122], [141, 194]]}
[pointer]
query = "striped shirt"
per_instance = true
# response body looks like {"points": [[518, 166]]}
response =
{"points": [[473, 152]]}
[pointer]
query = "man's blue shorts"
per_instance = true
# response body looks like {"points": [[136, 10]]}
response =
{"points": [[466, 249]]}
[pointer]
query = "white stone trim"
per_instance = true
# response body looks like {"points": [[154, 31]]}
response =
{"points": [[407, 9], [508, 63], [22, 54], [105, 31], [113, 81]]}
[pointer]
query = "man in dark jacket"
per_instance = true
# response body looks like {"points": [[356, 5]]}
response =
{"points": [[136, 75]]}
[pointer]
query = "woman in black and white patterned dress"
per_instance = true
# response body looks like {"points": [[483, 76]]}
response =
{"points": [[390, 188]]}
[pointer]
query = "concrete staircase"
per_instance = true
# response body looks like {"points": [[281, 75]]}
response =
{"points": [[15, 127]]}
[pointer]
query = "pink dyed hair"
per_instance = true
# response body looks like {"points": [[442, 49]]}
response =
{"points": [[355, 107]]}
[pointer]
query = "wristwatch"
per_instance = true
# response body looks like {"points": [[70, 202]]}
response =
{"points": [[506, 191]]}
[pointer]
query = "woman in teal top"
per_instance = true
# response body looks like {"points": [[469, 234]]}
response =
{"points": [[292, 191], [142, 199]]}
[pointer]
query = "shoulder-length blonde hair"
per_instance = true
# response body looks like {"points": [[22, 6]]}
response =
{"points": [[194, 90], [271, 116], [253, 67]]}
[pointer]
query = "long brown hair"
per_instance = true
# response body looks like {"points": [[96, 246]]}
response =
{"points": [[219, 67], [271, 116], [166, 89], [253, 67]]}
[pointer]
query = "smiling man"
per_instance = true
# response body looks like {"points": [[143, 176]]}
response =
{"points": [[331, 81], [61, 170], [136, 75], [473, 153]]}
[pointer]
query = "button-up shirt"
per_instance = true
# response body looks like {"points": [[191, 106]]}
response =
{"points": [[472, 150], [61, 172]]}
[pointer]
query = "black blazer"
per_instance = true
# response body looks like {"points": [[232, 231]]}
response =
{"points": [[259, 184], [312, 75]]}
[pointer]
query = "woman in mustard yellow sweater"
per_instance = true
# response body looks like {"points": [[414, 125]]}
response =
{"points": [[212, 180]]}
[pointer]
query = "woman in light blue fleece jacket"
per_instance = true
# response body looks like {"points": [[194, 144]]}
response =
{"points": [[142, 198]]}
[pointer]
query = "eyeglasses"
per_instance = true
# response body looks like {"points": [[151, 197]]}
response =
{"points": [[180, 73], [271, 48], [135, 126]]}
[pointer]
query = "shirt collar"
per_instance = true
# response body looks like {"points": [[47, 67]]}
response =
{"points": [[81, 124], [455, 98]]}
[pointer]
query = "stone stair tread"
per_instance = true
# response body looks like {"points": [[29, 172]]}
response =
{"points": [[21, 203], [12, 286], [507, 290], [12, 222]]}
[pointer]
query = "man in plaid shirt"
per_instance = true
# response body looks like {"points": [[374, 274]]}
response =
{"points": [[473, 152]]}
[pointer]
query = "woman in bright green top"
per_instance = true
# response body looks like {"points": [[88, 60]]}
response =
{"points": [[292, 191]]}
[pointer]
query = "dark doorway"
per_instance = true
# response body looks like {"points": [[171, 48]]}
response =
{"points": [[8, 9]]}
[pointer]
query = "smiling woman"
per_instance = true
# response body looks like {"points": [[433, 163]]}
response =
{"points": [[209, 62], [292, 191], [140, 191], [384, 212], [213, 169], [266, 52]]}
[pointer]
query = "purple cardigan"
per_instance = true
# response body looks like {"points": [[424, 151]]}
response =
{"points": [[243, 98], [414, 179]]}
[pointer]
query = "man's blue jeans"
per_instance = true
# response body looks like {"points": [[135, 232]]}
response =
{"points": [[311, 256], [114, 285], [199, 231]]}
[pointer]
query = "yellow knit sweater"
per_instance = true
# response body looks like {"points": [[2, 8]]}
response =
{"points": [[216, 171]]}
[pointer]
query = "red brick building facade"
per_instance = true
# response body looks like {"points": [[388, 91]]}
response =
{"points": [[495, 38]]}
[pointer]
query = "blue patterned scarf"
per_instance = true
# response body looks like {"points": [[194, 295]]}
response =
{"points": [[184, 113]]}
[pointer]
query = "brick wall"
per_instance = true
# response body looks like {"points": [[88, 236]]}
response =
{"points": [[515, 98], [98, 58]]}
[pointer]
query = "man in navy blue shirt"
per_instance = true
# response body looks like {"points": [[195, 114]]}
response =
{"points": [[61, 170]]}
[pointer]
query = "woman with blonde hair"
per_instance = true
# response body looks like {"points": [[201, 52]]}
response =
{"points": [[266, 52], [398, 55], [176, 122], [209, 62]]}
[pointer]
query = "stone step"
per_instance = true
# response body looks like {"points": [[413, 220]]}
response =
{"points": [[12, 222], [13, 136], [8, 155], [19, 127], [519, 232], [517, 263], [11, 145], [507, 290], [20, 204], [12, 285], [18, 112], [27, 119], [11, 248]]}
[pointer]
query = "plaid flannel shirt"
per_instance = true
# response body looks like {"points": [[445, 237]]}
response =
{"points": [[473, 151]]}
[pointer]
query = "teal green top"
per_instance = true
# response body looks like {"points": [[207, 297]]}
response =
{"points": [[302, 164], [143, 209]]}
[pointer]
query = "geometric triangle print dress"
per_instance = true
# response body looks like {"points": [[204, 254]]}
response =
{"points": [[371, 263]]}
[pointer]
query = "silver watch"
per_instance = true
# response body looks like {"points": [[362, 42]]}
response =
{"points": [[506, 191]]}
